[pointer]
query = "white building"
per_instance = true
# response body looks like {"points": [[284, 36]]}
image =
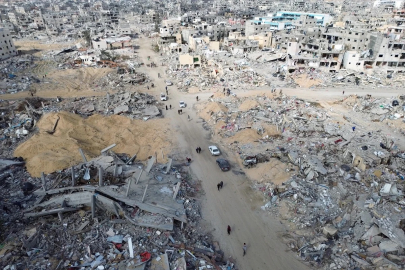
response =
{"points": [[394, 3], [7, 48]]}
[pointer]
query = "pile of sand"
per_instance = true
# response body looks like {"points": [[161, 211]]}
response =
{"points": [[245, 136], [270, 130], [71, 80], [304, 81], [248, 105], [207, 109], [272, 171], [48, 153]]}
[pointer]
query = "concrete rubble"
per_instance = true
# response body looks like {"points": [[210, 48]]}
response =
{"points": [[110, 212], [119, 217], [343, 201]]}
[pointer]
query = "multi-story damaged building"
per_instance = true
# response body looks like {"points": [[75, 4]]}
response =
{"points": [[7, 48]]}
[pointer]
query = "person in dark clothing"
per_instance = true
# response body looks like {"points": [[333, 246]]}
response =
{"points": [[229, 230], [166, 107], [220, 185], [170, 106]]}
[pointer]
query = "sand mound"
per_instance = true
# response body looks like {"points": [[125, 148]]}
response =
{"points": [[272, 171], [306, 82], [270, 130], [211, 108], [248, 105], [48, 153], [245, 136]]}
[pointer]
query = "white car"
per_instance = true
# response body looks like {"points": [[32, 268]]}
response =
{"points": [[169, 83], [182, 104], [163, 97], [214, 150]]}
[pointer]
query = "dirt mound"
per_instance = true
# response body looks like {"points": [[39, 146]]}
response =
{"points": [[306, 82], [248, 105], [47, 153], [270, 130], [245, 136], [272, 171], [207, 109]]}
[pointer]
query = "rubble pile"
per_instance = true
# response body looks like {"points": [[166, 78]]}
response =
{"points": [[10, 81], [377, 109], [236, 75], [344, 198], [19, 119], [107, 213]]}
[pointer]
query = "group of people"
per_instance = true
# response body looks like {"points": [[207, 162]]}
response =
{"points": [[198, 150]]}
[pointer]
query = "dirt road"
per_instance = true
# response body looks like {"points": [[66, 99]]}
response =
{"points": [[233, 204]]}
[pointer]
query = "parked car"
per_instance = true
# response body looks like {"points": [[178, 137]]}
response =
{"points": [[163, 97], [169, 83], [214, 150], [182, 104], [223, 164]]}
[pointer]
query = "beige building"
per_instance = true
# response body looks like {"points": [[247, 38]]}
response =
{"points": [[7, 48], [190, 61]]}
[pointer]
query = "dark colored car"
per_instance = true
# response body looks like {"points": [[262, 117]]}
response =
{"points": [[223, 164]]}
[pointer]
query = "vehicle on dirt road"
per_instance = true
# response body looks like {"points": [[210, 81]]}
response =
{"points": [[163, 97], [169, 83], [214, 150], [223, 164], [182, 104]]}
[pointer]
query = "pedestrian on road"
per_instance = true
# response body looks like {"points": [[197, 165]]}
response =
{"points": [[343, 92], [244, 249], [229, 230], [167, 92], [199, 149], [196, 98], [166, 88], [170, 106], [220, 185], [166, 107], [353, 128], [196, 150]]}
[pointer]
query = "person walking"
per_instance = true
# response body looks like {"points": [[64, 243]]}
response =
{"points": [[199, 149], [167, 92], [219, 186], [170, 106], [244, 249], [229, 230], [196, 98], [343, 92], [166, 107], [196, 150]]}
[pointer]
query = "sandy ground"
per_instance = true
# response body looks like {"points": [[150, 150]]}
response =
{"points": [[236, 205], [48, 153]]}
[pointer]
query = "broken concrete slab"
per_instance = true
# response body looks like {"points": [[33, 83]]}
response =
{"points": [[388, 246], [121, 109], [161, 262], [329, 230]]}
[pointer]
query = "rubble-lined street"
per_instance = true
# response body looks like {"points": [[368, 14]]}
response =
{"points": [[202, 135]]}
